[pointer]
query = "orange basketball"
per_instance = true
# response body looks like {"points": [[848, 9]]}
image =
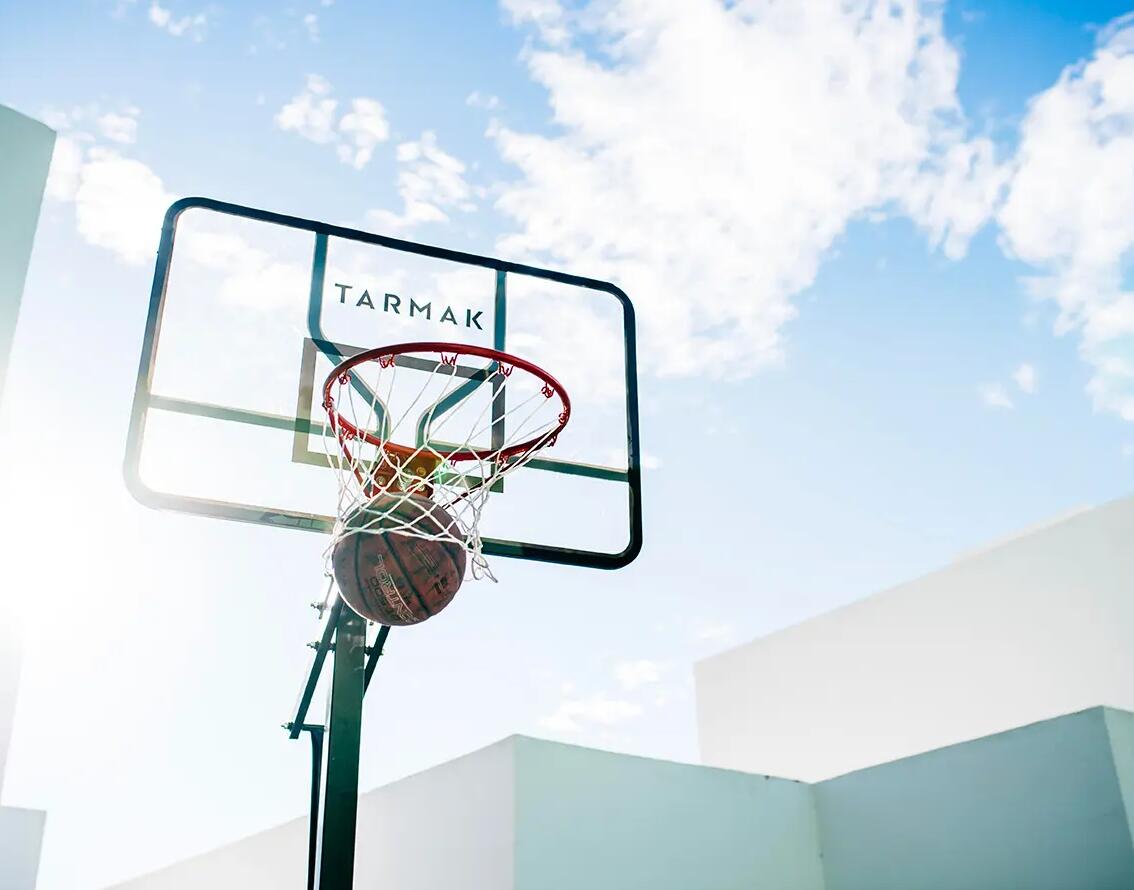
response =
{"points": [[396, 578]]}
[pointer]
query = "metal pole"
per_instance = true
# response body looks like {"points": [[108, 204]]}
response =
{"points": [[375, 654], [339, 802], [298, 723], [316, 785]]}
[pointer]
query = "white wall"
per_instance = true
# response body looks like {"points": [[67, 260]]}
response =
{"points": [[450, 827], [526, 814], [601, 821], [1032, 628], [1041, 807], [9, 672], [25, 155], [21, 834]]}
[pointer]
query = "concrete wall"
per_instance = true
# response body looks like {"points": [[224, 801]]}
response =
{"points": [[603, 821], [536, 815], [21, 835], [25, 155], [1039, 807], [273, 858], [1032, 628], [450, 827], [1042, 807], [1120, 726]]}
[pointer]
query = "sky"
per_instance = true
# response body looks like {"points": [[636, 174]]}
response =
{"points": [[881, 259]]}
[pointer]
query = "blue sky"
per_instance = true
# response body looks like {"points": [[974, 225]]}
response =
{"points": [[885, 319]]}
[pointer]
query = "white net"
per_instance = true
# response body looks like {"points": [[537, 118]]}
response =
{"points": [[420, 438]]}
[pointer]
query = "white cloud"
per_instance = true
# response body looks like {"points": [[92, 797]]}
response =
{"points": [[119, 204], [254, 274], [650, 461], [311, 23], [219, 250], [633, 675], [1068, 210], [192, 26], [574, 714], [122, 128], [711, 155], [994, 395], [66, 164], [90, 122], [364, 126], [1128, 451], [476, 99], [1025, 378], [60, 119], [431, 181], [312, 114], [956, 202], [547, 15]]}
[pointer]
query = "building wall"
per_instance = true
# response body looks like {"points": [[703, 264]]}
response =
{"points": [[450, 827], [21, 835], [27, 145], [536, 815], [1042, 807], [1023, 631], [587, 818], [1120, 726], [273, 858], [25, 155], [1038, 807]]}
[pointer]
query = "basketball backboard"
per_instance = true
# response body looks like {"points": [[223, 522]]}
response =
{"points": [[252, 310]]}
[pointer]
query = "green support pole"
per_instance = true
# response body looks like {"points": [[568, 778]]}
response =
{"points": [[339, 803]]}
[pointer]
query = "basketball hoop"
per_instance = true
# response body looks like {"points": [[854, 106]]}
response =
{"points": [[477, 414]]}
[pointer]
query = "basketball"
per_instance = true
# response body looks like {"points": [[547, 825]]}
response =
{"points": [[396, 578]]}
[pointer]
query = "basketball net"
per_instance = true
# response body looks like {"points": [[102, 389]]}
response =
{"points": [[442, 421]]}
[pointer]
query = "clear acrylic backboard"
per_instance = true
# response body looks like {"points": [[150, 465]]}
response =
{"points": [[249, 313]]}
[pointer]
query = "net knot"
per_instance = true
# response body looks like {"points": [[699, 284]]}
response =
{"points": [[506, 370], [344, 378], [547, 390], [385, 360], [449, 359]]}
